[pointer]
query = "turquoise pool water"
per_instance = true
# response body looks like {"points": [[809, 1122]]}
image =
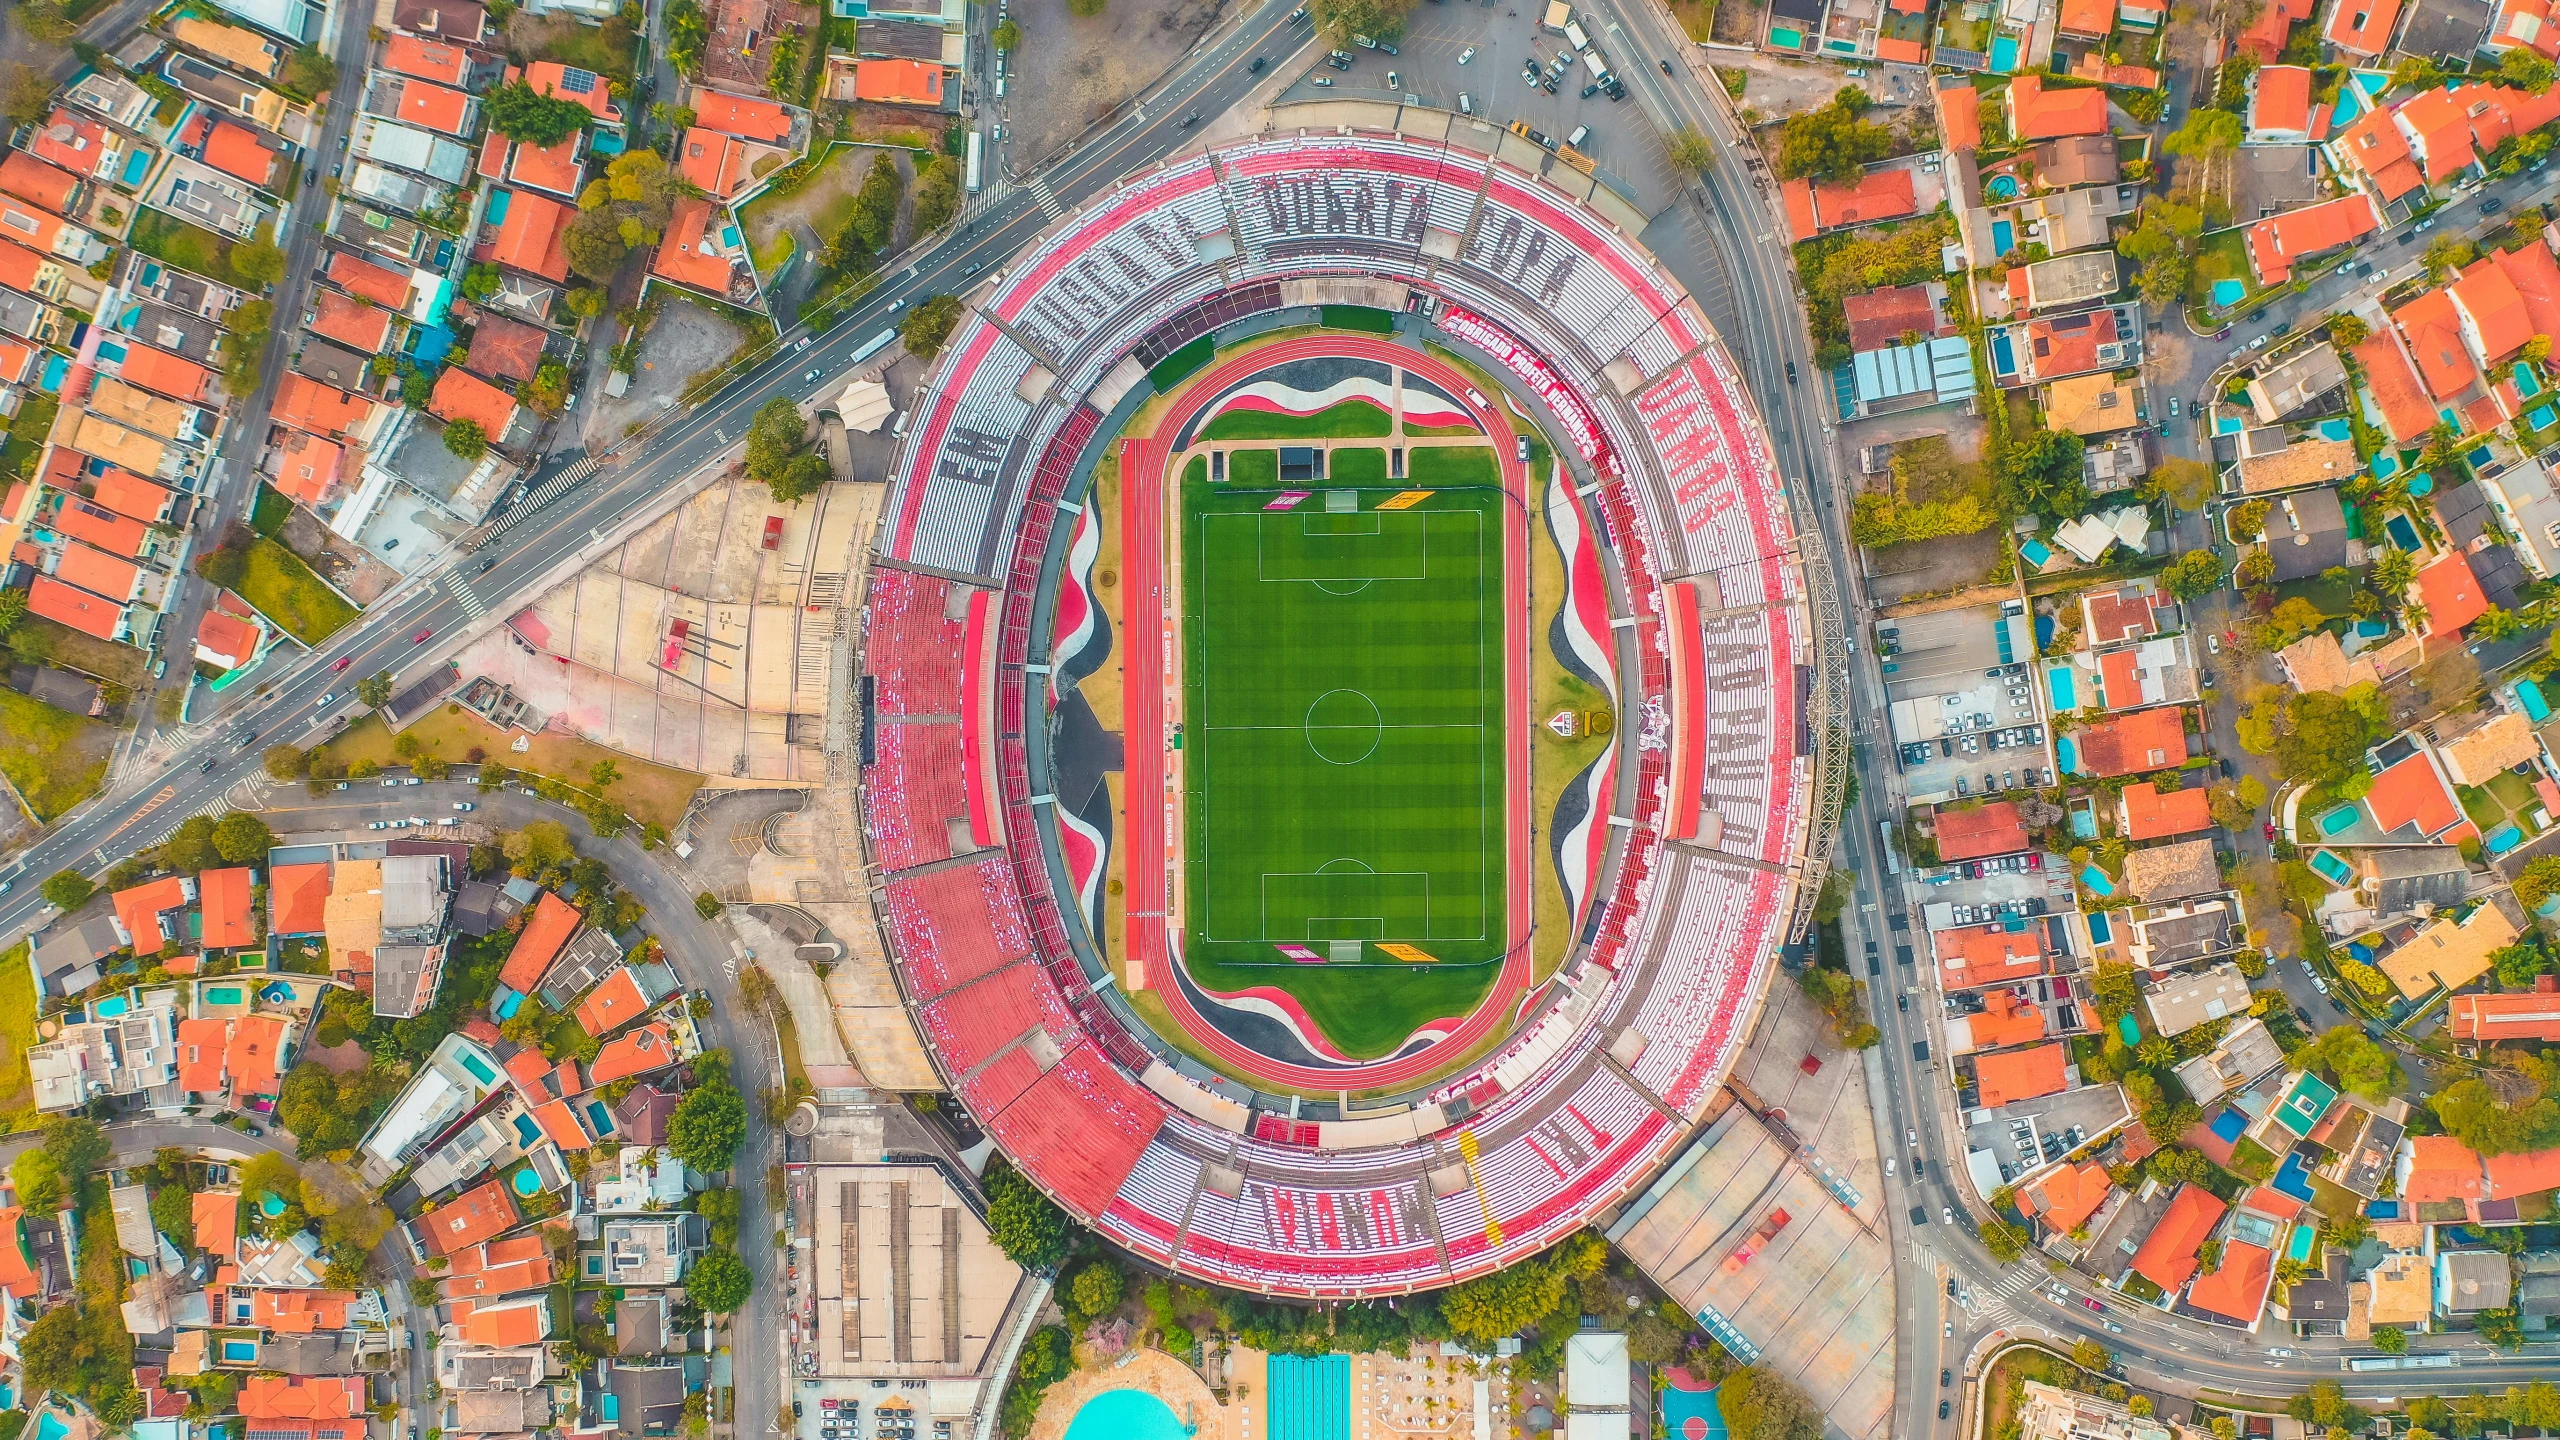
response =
{"points": [[2130, 1029], [2339, 821], [112, 1006], [2067, 754], [2058, 681], [276, 992], [2004, 357], [1126, 1415], [2000, 187], [2101, 929], [2536, 709], [526, 1182], [2002, 234], [225, 995], [2036, 554], [2403, 534], [271, 1205], [2337, 430], [49, 1426], [2004, 55], [239, 1349], [528, 1134], [136, 165], [2230, 292], [2330, 868], [2304, 1240], [2542, 417], [729, 236], [479, 1069], [1309, 1397], [2477, 458], [2229, 425], [2385, 466], [2502, 840], [2528, 384], [498, 202], [2422, 484], [2097, 881], [110, 351]]}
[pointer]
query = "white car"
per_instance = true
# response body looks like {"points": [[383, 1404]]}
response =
{"points": [[396, 824], [2212, 643], [389, 781], [379, 825], [461, 806], [1466, 55], [413, 780]]}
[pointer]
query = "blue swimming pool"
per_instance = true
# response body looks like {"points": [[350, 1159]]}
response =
{"points": [[2227, 293], [111, 352], [2101, 930], [2066, 754], [2340, 820], [2065, 692], [2000, 188], [527, 1183], [240, 1350], [2385, 466], [2372, 629], [2422, 484], [2528, 384], [2129, 1028], [2502, 840], [2478, 457], [271, 1205], [2097, 880], [1126, 1415], [136, 165], [2403, 534], [111, 1007], [2330, 868], [2004, 55], [225, 995], [2542, 417], [276, 992], [2003, 234], [2035, 554], [49, 1426], [2529, 695], [2337, 430], [2229, 425]]}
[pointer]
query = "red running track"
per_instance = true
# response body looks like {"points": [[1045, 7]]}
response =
{"points": [[1148, 619]]}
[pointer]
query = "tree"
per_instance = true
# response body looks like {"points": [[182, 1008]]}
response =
{"points": [[1688, 149], [1097, 1288], [375, 689], [540, 846], [2186, 484], [1032, 1232], [2045, 467], [1833, 143], [719, 1282], [2391, 1340], [2527, 70], [520, 112], [775, 435], [222, 567], [1760, 1404], [708, 1127], [937, 195], [875, 205], [257, 260], [2348, 331], [1494, 1307], [310, 70], [2005, 1241], [586, 302], [2207, 136], [1007, 35], [2162, 258], [707, 905], [67, 890], [688, 29], [2537, 882], [26, 94], [1339, 20], [38, 1177], [593, 242], [2517, 965], [2090, 1355], [284, 762], [189, 848], [2247, 520], [466, 440], [930, 324], [2500, 1328], [2193, 576]]}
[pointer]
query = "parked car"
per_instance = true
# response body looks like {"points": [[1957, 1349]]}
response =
{"points": [[464, 806]]}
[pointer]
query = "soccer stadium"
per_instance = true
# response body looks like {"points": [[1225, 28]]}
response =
{"points": [[1340, 696]]}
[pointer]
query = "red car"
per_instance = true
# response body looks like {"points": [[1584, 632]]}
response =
{"points": [[343, 662], [2271, 830], [421, 637], [2092, 1304]]}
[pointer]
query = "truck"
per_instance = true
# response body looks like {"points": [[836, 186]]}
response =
{"points": [[1573, 32], [1599, 67]]}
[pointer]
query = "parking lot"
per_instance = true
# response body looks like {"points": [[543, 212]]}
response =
{"points": [[2015, 1140], [1453, 49], [1963, 709]]}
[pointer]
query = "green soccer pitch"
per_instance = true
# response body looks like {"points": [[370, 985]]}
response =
{"points": [[1343, 751]]}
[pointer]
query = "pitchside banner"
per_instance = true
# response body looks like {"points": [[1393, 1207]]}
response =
{"points": [[1287, 499], [1493, 340], [1300, 953], [1410, 954], [1404, 499]]}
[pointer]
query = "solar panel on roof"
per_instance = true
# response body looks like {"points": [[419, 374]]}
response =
{"points": [[578, 82]]}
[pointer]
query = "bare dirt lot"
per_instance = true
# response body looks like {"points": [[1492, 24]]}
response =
{"points": [[1070, 72], [686, 341], [357, 574]]}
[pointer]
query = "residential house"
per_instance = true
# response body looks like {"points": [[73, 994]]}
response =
{"points": [[2246, 1054], [1980, 831], [1889, 193], [2145, 812], [2179, 1003], [2451, 953], [2476, 1021], [2131, 744], [2038, 111]]}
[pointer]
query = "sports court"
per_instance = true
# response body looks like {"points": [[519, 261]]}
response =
{"points": [[1343, 729]]}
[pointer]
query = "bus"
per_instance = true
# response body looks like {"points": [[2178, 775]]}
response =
{"points": [[2362, 1364], [977, 147], [1892, 852]]}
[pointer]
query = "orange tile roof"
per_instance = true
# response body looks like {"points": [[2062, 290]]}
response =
{"points": [[18, 1276], [2282, 98], [610, 1006], [714, 162], [227, 909], [2406, 411], [556, 168], [2238, 1289], [2168, 1254], [350, 322], [297, 899], [461, 395], [550, 77], [2363, 27], [1876, 196], [560, 1125], [252, 1055], [113, 533], [897, 82], [303, 1312], [36, 227], [2375, 146], [493, 156], [2004, 1020], [553, 921], [504, 349], [651, 1047], [2523, 22], [2092, 18], [686, 256], [217, 1219], [2526, 1174], [1960, 117], [2037, 113], [469, 1218], [2120, 675], [529, 240], [2149, 814], [17, 360], [748, 119], [435, 107], [307, 467], [234, 151], [98, 573], [1986, 954], [2535, 274], [29, 178], [529, 1069], [503, 1325], [200, 1047], [139, 908], [2068, 1195], [2497, 312], [2411, 793], [359, 276], [129, 494], [78, 609], [73, 141], [2451, 594], [2276, 242], [426, 59], [2441, 1168], [2485, 1019], [160, 371], [499, 1267], [22, 268], [301, 1397], [2014, 1075], [2133, 744], [1992, 829], [321, 409]]}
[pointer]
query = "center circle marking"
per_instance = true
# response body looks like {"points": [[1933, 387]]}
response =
{"points": [[1343, 727]]}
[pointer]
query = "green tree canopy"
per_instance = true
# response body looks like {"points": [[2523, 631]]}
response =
{"points": [[466, 439], [1760, 1404], [1834, 143], [2194, 575], [930, 324], [709, 1125], [1339, 20], [1031, 1231], [67, 890], [719, 1282], [520, 112]]}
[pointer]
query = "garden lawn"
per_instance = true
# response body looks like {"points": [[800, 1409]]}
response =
{"points": [[285, 591], [166, 237], [1344, 420], [2222, 255], [17, 1034], [1452, 465], [55, 758], [1357, 467], [651, 794], [100, 659]]}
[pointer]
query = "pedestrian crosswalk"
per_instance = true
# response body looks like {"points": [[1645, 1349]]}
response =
{"points": [[1049, 205], [462, 596], [547, 492], [2015, 1281]]}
